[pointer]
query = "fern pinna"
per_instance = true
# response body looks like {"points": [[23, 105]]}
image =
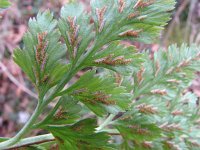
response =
{"points": [[126, 99]]}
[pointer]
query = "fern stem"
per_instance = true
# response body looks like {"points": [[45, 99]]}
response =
{"points": [[105, 123], [33, 141], [23, 131], [48, 116], [60, 86]]}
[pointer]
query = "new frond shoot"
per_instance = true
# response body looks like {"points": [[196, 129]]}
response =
{"points": [[126, 99]]}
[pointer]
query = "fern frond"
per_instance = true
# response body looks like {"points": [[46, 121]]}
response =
{"points": [[158, 96], [41, 56], [99, 94]]}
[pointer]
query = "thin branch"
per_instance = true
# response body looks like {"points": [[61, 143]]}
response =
{"points": [[33, 141], [28, 145], [105, 123], [174, 21], [16, 82], [36, 140], [189, 19], [55, 108]]}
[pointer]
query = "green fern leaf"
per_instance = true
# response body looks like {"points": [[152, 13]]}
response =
{"points": [[42, 52], [99, 94], [136, 20], [76, 29], [80, 135]]}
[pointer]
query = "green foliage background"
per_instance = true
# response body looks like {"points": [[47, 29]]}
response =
{"points": [[141, 99]]}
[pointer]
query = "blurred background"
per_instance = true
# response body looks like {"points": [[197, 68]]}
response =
{"points": [[17, 95]]}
